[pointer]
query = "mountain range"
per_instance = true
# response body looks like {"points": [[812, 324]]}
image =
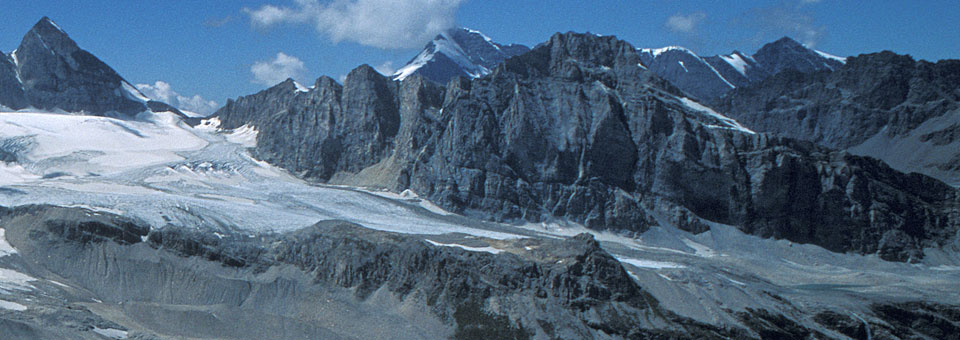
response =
{"points": [[708, 78], [582, 188]]}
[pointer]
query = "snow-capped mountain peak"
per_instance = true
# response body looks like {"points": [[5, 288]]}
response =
{"points": [[458, 52], [49, 72], [787, 53], [707, 78], [685, 69]]}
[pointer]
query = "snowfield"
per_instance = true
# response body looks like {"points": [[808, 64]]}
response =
{"points": [[159, 170]]}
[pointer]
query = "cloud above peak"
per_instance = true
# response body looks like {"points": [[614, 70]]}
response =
{"points": [[163, 92], [387, 24], [685, 23], [272, 72]]}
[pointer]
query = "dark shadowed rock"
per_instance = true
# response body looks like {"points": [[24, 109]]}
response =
{"points": [[788, 54], [11, 91], [57, 74]]}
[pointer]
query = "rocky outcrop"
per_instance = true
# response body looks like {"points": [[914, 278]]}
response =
{"points": [[575, 130], [535, 289], [877, 105]]}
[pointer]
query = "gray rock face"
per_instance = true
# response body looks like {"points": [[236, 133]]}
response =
{"points": [[49, 71], [11, 91], [560, 289], [576, 130], [709, 78], [788, 54], [738, 68], [458, 52], [883, 105]]}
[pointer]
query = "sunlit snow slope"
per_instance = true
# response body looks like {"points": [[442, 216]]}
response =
{"points": [[162, 171]]}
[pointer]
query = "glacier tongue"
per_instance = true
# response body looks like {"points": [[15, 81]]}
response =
{"points": [[159, 170]]}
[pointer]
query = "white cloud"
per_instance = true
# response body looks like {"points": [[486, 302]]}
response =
{"points": [[272, 72], [161, 91], [378, 23], [386, 68], [784, 19], [685, 23]]}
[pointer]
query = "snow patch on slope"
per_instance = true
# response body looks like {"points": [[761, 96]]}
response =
{"points": [[111, 333], [490, 250], [8, 305], [5, 248], [736, 62], [651, 264], [11, 280], [245, 135], [729, 122], [830, 56]]}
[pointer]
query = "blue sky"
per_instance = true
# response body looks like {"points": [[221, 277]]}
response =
{"points": [[224, 49]]}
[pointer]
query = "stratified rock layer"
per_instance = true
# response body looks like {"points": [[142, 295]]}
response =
{"points": [[576, 130]]}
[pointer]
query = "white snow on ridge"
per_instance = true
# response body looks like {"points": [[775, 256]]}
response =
{"points": [[731, 124], [132, 93], [56, 26], [301, 87], [830, 56], [656, 52], [484, 36]]}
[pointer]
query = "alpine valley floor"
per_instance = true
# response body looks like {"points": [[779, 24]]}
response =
{"points": [[149, 228]]}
